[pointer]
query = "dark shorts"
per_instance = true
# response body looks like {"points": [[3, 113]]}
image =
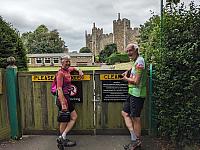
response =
{"points": [[133, 105], [70, 104]]}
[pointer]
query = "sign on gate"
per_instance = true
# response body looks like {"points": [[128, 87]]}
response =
{"points": [[113, 88], [51, 77], [76, 93]]}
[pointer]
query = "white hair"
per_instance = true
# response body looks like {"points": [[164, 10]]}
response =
{"points": [[134, 46], [65, 57]]}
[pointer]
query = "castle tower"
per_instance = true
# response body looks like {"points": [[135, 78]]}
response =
{"points": [[93, 42], [120, 28], [88, 39]]}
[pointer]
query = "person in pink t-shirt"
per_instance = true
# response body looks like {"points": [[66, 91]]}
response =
{"points": [[63, 79]]}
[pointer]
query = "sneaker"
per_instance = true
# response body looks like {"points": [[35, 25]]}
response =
{"points": [[69, 143], [126, 146], [60, 143], [60, 140], [60, 147], [133, 145]]}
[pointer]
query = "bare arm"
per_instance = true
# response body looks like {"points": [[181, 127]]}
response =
{"points": [[60, 92], [134, 79]]}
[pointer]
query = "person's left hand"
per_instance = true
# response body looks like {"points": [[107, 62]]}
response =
{"points": [[81, 74]]}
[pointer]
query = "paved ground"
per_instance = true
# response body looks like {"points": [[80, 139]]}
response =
{"points": [[84, 142]]}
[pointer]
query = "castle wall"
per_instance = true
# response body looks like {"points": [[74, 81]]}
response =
{"points": [[88, 38], [105, 40], [129, 35]]}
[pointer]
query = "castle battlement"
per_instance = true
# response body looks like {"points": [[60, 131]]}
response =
{"points": [[136, 29], [121, 21], [88, 35], [107, 35]]}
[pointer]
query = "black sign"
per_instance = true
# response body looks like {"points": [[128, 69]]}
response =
{"points": [[114, 90], [76, 93]]}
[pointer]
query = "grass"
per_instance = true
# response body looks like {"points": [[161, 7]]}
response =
{"points": [[123, 66], [120, 66]]}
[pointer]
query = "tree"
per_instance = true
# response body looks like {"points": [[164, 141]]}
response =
{"points": [[43, 41], [173, 1], [85, 50], [107, 51], [118, 57], [11, 45], [110, 49]]}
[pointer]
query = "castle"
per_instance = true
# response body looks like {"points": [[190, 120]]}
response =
{"points": [[122, 35]]}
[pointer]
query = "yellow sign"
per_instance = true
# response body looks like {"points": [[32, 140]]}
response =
{"points": [[43, 77], [51, 77], [78, 78], [110, 77]]}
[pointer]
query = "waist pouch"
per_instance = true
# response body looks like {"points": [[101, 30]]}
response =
{"points": [[63, 116]]}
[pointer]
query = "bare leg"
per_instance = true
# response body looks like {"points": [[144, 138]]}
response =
{"points": [[71, 123], [137, 126], [62, 127], [128, 121]]}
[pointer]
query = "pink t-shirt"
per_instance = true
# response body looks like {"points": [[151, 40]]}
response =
{"points": [[64, 79]]}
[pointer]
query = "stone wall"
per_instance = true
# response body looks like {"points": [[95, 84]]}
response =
{"points": [[105, 40]]}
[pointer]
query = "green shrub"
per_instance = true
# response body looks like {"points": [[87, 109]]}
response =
{"points": [[117, 57], [176, 73]]}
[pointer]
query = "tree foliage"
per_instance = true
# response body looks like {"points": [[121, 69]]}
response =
{"points": [[43, 41], [107, 51], [85, 50], [173, 1], [117, 58], [11, 45], [176, 72]]}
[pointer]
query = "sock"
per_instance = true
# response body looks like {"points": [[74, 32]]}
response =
{"points": [[64, 135], [133, 136]]}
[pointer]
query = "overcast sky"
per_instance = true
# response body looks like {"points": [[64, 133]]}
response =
{"points": [[72, 17]]}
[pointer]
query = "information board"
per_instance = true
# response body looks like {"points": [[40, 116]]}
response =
{"points": [[113, 88]]}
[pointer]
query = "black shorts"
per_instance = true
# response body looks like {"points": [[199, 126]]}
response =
{"points": [[70, 104], [133, 105]]}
